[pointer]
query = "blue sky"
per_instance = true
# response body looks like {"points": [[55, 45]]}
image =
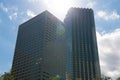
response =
{"points": [[107, 19]]}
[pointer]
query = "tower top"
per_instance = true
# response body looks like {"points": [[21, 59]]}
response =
{"points": [[45, 14]]}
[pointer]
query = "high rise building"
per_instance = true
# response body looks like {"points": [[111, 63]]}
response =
{"points": [[82, 52], [40, 52]]}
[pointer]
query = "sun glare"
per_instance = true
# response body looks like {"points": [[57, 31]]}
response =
{"points": [[58, 7]]}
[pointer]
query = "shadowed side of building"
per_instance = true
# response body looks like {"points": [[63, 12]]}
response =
{"points": [[82, 51], [40, 52]]}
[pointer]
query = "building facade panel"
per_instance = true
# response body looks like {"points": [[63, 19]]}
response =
{"points": [[40, 49], [82, 38]]}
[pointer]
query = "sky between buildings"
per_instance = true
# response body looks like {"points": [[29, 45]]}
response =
{"points": [[107, 19]]}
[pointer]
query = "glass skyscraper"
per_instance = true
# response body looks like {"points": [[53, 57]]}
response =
{"points": [[40, 52], [48, 49], [82, 52]]}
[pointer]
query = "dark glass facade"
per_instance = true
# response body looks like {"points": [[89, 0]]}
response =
{"points": [[40, 52], [82, 52]]}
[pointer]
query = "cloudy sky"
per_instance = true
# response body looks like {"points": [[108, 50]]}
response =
{"points": [[107, 19]]}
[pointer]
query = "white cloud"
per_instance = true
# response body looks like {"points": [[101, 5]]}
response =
{"points": [[13, 16], [109, 52], [30, 13], [32, 1], [11, 11], [3, 7], [91, 4], [108, 15]]}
